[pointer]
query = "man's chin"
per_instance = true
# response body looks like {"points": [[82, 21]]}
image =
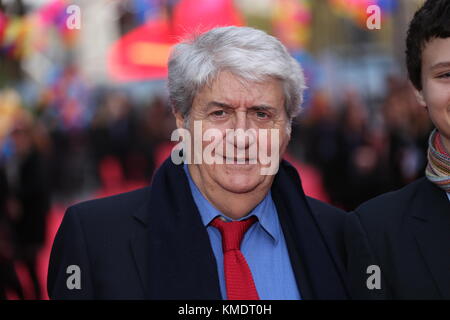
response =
{"points": [[240, 183], [240, 189]]}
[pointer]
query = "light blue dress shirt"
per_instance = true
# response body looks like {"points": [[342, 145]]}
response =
{"points": [[448, 195], [263, 247]]}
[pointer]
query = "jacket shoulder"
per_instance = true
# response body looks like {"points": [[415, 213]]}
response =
{"points": [[325, 210], [390, 204], [331, 220], [110, 208]]}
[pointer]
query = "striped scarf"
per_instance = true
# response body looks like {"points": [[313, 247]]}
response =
{"points": [[438, 168]]}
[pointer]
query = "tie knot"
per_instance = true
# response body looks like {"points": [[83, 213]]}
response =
{"points": [[232, 232]]}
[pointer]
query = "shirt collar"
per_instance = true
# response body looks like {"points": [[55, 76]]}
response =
{"points": [[265, 211]]}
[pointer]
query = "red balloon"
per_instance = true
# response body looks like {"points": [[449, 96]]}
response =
{"points": [[142, 53], [200, 16]]}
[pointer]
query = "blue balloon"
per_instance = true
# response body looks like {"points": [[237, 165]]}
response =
{"points": [[388, 5]]}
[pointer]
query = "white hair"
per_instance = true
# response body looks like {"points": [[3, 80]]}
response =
{"points": [[245, 52]]}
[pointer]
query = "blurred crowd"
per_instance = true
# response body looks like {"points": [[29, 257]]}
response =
{"points": [[362, 152], [45, 160]]}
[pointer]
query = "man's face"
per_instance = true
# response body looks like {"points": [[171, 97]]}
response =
{"points": [[232, 103], [435, 93]]}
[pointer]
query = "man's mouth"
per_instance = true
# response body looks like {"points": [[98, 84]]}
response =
{"points": [[235, 160]]}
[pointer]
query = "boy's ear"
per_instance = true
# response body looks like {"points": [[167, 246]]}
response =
{"points": [[419, 97]]}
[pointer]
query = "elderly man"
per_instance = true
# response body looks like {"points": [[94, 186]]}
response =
{"points": [[231, 223]]}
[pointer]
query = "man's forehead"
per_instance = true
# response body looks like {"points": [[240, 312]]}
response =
{"points": [[234, 92]]}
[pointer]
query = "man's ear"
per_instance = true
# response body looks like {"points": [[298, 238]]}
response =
{"points": [[419, 97], [179, 119]]}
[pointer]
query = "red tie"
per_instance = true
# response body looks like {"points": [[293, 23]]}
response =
{"points": [[238, 277]]}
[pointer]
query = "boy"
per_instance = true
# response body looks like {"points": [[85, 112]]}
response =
{"points": [[409, 229]]}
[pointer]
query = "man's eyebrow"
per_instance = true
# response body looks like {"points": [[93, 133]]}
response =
{"points": [[262, 107], [212, 104], [444, 64]]}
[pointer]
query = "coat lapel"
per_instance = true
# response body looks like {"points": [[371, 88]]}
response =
{"points": [[315, 270], [170, 245], [140, 248], [430, 218], [174, 257]]}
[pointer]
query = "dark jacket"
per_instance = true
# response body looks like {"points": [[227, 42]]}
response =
{"points": [[409, 233], [151, 243]]}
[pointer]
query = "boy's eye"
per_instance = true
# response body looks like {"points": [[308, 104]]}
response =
{"points": [[445, 75]]}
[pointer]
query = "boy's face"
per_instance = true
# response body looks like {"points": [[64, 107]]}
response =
{"points": [[435, 93]]}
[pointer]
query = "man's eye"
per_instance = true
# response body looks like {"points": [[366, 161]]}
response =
{"points": [[262, 115], [218, 113]]}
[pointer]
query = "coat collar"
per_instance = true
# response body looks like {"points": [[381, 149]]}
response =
{"points": [[174, 257], [262, 211], [170, 245], [318, 274], [432, 195], [430, 218]]}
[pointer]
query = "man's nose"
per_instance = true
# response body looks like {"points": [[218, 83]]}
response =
{"points": [[240, 120], [242, 137]]}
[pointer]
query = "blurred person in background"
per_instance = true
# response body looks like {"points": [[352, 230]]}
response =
{"points": [[359, 157], [113, 133], [315, 137], [347, 148], [9, 281], [155, 126], [408, 229], [407, 127], [28, 194]]}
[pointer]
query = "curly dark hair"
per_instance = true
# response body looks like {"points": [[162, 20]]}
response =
{"points": [[432, 20]]}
